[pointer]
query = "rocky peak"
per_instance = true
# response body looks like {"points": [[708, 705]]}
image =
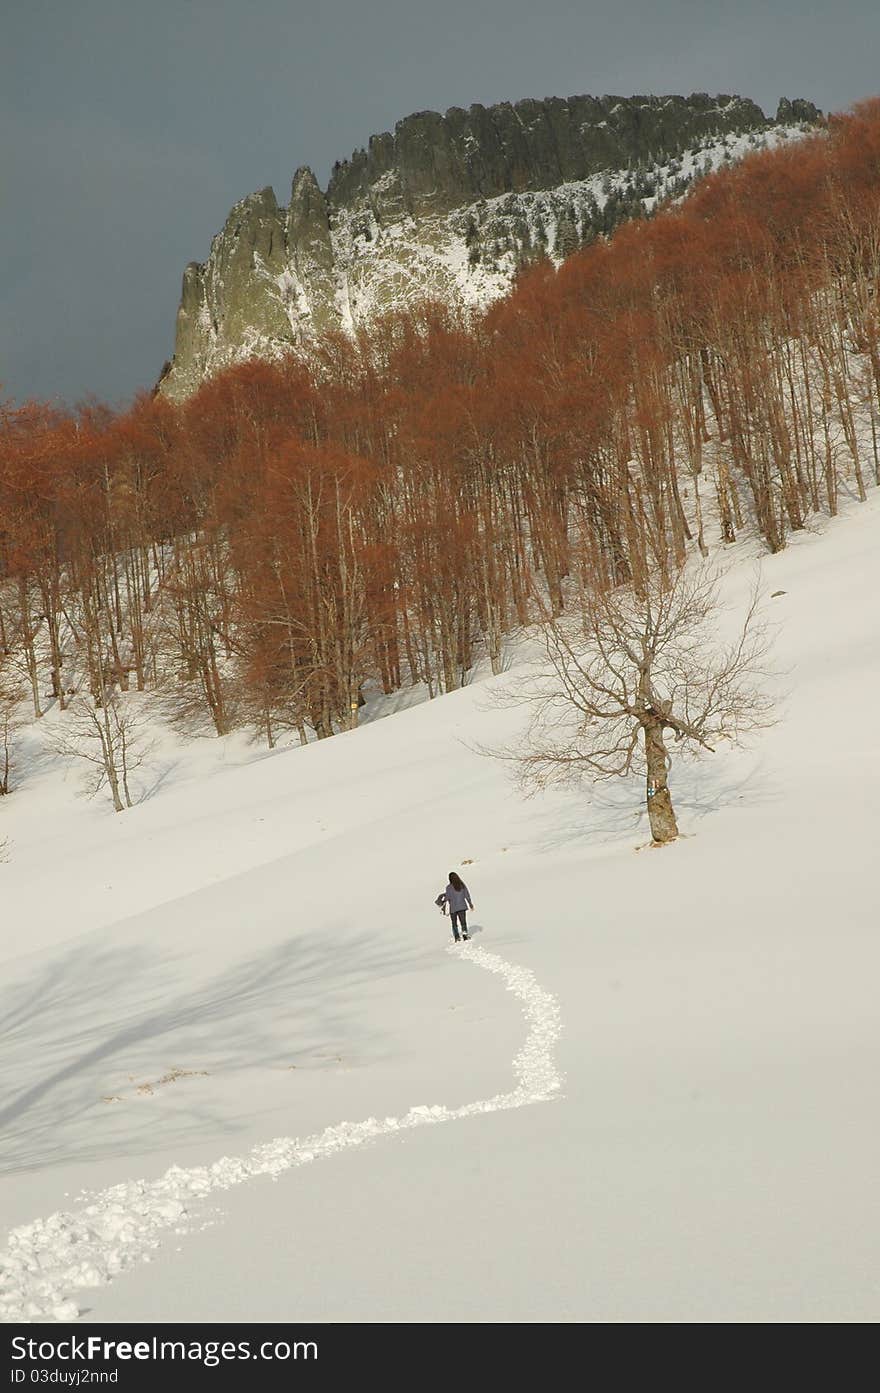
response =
{"points": [[307, 226], [789, 112], [443, 162], [448, 205]]}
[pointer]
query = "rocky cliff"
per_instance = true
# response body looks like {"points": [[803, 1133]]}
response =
{"points": [[448, 206]]}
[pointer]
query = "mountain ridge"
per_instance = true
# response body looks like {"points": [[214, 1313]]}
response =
{"points": [[447, 206]]}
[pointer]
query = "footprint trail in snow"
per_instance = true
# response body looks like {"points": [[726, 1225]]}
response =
{"points": [[48, 1259]]}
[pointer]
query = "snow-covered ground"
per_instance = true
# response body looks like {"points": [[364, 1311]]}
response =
{"points": [[249, 966]]}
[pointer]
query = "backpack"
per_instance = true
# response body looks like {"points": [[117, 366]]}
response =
{"points": [[440, 902]]}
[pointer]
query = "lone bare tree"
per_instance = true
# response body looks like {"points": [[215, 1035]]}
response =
{"points": [[105, 736], [626, 671]]}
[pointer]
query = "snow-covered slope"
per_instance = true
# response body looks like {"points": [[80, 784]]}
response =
{"points": [[471, 256], [253, 954]]}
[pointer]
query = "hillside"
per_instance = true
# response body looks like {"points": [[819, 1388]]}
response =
{"points": [[449, 208], [252, 954], [246, 1075], [383, 515]]}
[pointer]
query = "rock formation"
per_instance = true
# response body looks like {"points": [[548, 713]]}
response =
{"points": [[448, 206]]}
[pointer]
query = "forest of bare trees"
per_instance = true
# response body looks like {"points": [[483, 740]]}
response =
{"points": [[387, 510]]}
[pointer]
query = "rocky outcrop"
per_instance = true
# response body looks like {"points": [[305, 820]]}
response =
{"points": [[797, 110], [232, 297], [433, 163], [446, 205]]}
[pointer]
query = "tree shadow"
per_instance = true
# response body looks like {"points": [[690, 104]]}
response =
{"points": [[711, 788], [73, 1025], [608, 813], [155, 776], [615, 812], [32, 755]]}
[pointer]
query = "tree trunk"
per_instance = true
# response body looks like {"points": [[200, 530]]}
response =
{"points": [[4, 757], [110, 769], [660, 811], [28, 633]]}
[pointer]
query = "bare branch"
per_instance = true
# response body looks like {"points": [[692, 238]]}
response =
{"points": [[629, 666]]}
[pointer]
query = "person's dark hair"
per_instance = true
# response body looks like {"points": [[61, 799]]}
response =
{"points": [[455, 880]]}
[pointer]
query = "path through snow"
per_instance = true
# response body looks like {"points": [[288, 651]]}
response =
{"points": [[120, 1226]]}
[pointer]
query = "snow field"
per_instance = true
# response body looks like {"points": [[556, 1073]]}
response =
{"points": [[118, 1227], [714, 1153]]}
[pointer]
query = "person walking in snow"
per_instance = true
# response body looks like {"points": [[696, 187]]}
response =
{"points": [[458, 897]]}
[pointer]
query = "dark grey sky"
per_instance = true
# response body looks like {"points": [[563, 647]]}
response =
{"points": [[128, 128]]}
